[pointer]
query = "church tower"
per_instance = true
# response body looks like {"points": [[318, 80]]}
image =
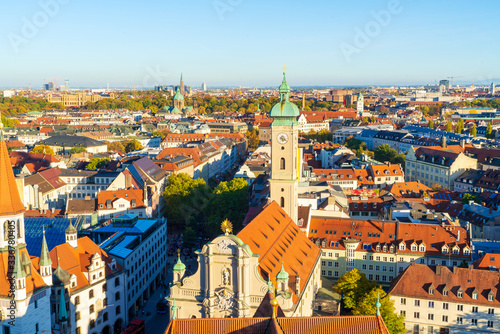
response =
{"points": [[284, 152], [179, 100], [360, 103], [182, 85]]}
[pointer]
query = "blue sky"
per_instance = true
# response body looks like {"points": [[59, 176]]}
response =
{"points": [[247, 42]]}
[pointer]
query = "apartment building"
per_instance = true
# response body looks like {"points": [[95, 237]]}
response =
{"points": [[383, 249], [438, 164], [437, 299]]}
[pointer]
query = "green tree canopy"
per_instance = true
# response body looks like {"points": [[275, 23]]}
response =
{"points": [[449, 127], [489, 131], [133, 145], [385, 152], [473, 131], [43, 149], [75, 150], [431, 124], [96, 163]]}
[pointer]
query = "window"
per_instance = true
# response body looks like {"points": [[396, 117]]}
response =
{"points": [[417, 302], [491, 311], [490, 323], [473, 322], [91, 309], [460, 320], [430, 329], [104, 287], [92, 323], [416, 329], [77, 316], [77, 300], [118, 310], [416, 315], [445, 318], [403, 301], [431, 304], [364, 266], [430, 316], [78, 330], [445, 306], [117, 281], [402, 313], [282, 202], [474, 295], [282, 163], [460, 307], [91, 293], [37, 328], [474, 309]]}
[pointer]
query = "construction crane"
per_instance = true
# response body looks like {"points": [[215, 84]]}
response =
{"points": [[451, 82], [54, 80]]}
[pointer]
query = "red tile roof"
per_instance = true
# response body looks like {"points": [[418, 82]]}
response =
{"points": [[417, 280], [276, 238], [488, 261], [10, 204]]}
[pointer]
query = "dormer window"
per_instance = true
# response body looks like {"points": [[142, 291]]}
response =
{"points": [[460, 293], [384, 249], [456, 251], [444, 250], [431, 290], [422, 248], [414, 248], [378, 248], [402, 246], [391, 249], [474, 294], [445, 291], [491, 296], [466, 251]]}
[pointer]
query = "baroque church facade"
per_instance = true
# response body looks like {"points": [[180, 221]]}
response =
{"points": [[270, 255]]}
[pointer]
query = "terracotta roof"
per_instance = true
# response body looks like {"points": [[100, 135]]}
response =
{"points": [[407, 189], [113, 195], [416, 280], [76, 260], [271, 234], [488, 261], [11, 201], [345, 324], [332, 231]]}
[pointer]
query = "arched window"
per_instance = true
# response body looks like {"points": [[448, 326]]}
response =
{"points": [[6, 230], [91, 293], [282, 202], [91, 309], [282, 163], [77, 300], [19, 228]]}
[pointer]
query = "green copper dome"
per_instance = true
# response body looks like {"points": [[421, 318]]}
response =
{"points": [[284, 108], [179, 266], [282, 275], [178, 95]]}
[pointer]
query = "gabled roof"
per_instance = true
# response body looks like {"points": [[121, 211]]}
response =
{"points": [[276, 238], [10, 203], [368, 324], [488, 261], [416, 279]]}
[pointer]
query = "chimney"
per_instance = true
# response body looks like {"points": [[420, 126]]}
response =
{"points": [[471, 266], [383, 226], [462, 143], [53, 210], [438, 270], [458, 236], [455, 270]]}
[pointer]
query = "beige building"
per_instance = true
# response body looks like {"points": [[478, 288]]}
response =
{"points": [[436, 300], [76, 100], [228, 127], [235, 272], [438, 164]]}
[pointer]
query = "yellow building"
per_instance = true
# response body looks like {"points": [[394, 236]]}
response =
{"points": [[77, 100]]}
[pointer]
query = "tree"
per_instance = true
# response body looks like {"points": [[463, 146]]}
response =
{"points": [[385, 152], [97, 163], [133, 145], [229, 201], [75, 150], [354, 143], [489, 130], [185, 198], [352, 286], [431, 124], [436, 187], [473, 131], [253, 138], [449, 127], [116, 146], [43, 149], [189, 238], [468, 197], [366, 306], [159, 133], [9, 122]]}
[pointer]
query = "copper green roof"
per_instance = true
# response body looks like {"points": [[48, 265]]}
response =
{"points": [[18, 267], [63, 315], [44, 255], [179, 266], [71, 229], [282, 275], [284, 108], [178, 95]]}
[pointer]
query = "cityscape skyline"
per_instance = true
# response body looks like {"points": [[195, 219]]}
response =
{"points": [[237, 43]]}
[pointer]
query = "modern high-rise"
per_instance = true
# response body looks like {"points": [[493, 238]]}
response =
{"points": [[204, 86]]}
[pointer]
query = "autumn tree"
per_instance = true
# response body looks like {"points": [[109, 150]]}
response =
{"points": [[253, 138], [43, 149], [449, 127], [431, 124], [489, 131], [473, 131], [133, 145], [97, 163], [116, 146]]}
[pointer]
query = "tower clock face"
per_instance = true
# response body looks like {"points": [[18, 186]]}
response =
{"points": [[282, 138]]}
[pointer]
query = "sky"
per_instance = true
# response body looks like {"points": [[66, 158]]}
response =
{"points": [[141, 44]]}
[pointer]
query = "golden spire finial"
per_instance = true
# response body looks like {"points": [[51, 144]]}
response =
{"points": [[284, 68], [227, 226]]}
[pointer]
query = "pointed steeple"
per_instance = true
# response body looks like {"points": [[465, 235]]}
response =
{"points": [[181, 77], [11, 201], [377, 304], [282, 275], [63, 313], [284, 88], [18, 266], [44, 255]]}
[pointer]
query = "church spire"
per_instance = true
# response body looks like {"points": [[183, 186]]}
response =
{"points": [[44, 255], [1, 127], [18, 266]]}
